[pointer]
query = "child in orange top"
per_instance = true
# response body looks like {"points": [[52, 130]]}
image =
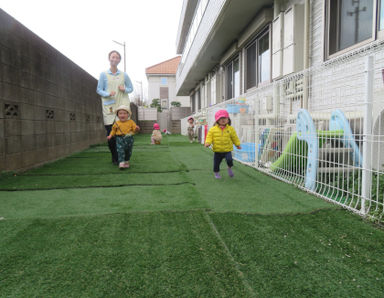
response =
{"points": [[124, 129]]}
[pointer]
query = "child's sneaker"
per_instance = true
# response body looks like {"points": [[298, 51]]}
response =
{"points": [[217, 175], [230, 173], [122, 165], [126, 165]]}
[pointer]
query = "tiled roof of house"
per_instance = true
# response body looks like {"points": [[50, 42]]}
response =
{"points": [[165, 67]]}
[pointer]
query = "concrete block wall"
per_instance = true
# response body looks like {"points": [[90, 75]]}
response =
{"points": [[175, 127], [146, 126], [135, 113], [48, 105]]}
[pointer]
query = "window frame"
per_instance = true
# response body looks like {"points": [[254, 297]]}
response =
{"points": [[198, 99], [163, 81], [213, 89], [193, 103], [376, 34], [227, 65], [253, 43], [380, 33], [267, 30], [261, 35]]}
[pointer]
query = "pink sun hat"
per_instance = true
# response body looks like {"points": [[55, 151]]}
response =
{"points": [[221, 114], [156, 126]]}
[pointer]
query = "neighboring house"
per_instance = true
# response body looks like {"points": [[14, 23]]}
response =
{"points": [[162, 83]]}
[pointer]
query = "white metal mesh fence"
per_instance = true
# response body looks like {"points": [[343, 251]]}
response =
{"points": [[322, 129]]}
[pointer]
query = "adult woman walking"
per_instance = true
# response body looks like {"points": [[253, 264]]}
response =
{"points": [[113, 87]]}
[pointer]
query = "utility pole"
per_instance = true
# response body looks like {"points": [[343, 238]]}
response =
{"points": [[141, 91], [124, 56]]}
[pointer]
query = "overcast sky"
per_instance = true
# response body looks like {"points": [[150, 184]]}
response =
{"points": [[83, 30]]}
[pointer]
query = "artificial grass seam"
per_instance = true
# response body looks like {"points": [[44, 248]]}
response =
{"points": [[84, 215], [274, 214], [228, 253], [95, 186], [104, 173]]}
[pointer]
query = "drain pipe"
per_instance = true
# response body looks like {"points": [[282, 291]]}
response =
{"points": [[307, 12]]}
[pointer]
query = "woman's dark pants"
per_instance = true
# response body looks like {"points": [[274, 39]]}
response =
{"points": [[112, 144]]}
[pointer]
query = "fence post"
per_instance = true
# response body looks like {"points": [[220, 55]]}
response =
{"points": [[256, 128], [367, 134]]}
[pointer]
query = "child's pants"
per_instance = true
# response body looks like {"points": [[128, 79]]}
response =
{"points": [[124, 147], [218, 157], [191, 134], [153, 141]]}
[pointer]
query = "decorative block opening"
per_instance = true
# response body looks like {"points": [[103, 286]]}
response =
{"points": [[49, 114], [11, 110]]}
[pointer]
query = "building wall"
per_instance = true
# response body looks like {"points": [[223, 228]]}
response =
{"points": [[154, 84], [210, 16], [316, 55], [317, 32], [48, 105]]}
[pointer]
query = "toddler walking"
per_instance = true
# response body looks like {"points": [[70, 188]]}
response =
{"points": [[123, 129], [191, 129], [222, 135], [156, 135]]}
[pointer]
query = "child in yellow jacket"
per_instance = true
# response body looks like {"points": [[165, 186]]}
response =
{"points": [[124, 129], [222, 136]]}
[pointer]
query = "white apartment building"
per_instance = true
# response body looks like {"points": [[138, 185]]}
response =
{"points": [[230, 48], [274, 64]]}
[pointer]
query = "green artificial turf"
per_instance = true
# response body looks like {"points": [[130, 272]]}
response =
{"points": [[329, 253], [106, 200], [100, 163], [249, 191], [121, 255], [167, 228], [126, 178]]}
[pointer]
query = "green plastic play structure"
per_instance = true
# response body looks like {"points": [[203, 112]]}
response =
{"points": [[301, 153], [294, 156]]}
